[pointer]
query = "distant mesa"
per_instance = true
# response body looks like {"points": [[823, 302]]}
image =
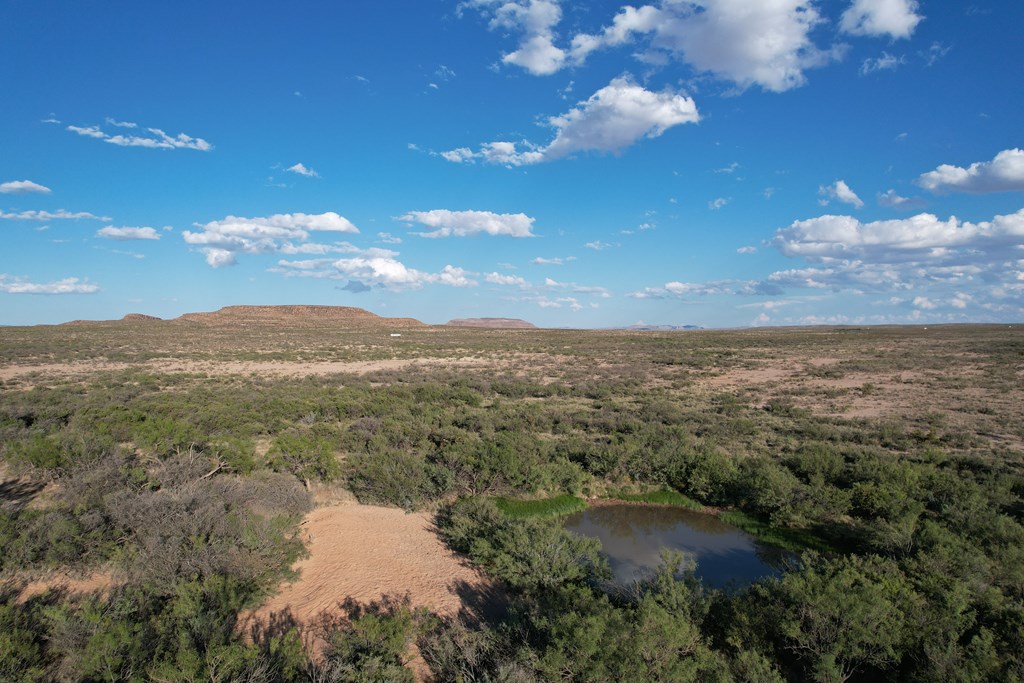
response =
{"points": [[493, 323], [297, 316], [270, 316]]}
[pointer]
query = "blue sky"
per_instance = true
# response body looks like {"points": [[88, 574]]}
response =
{"points": [[719, 163]]}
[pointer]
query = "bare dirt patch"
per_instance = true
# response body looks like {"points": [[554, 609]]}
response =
{"points": [[365, 554], [74, 585]]}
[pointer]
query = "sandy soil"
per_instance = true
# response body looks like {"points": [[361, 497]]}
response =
{"points": [[366, 554], [99, 581], [267, 368]]}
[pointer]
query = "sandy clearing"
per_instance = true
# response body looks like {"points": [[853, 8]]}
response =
{"points": [[364, 553], [98, 581], [220, 368]]}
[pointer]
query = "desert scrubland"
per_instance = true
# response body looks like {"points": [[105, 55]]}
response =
{"points": [[268, 495]]}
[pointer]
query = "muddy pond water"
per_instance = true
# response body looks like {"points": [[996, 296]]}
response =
{"points": [[632, 537]]}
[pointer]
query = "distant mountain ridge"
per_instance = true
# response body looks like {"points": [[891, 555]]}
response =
{"points": [[295, 316], [493, 323]]}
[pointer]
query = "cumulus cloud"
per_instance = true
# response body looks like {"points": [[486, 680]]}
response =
{"points": [[839, 191], [60, 214], [369, 270], [112, 233], [301, 169], [535, 21], [1005, 173], [893, 18], [71, 285], [598, 245], [445, 223], [923, 236], [717, 203], [613, 118], [285, 233], [23, 187], [746, 250], [764, 43], [153, 138], [506, 280]]}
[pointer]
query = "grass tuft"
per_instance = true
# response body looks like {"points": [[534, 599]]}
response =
{"points": [[558, 506], [663, 497]]}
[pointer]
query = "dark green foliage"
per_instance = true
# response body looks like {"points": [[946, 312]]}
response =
{"points": [[307, 456], [371, 645], [528, 554]]}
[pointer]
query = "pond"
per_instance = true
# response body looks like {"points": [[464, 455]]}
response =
{"points": [[632, 537]]}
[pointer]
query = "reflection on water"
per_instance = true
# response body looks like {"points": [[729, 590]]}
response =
{"points": [[633, 536]]}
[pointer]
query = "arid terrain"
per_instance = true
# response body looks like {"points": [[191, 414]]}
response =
{"points": [[334, 443]]}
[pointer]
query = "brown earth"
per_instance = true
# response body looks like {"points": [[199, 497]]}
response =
{"points": [[241, 367], [364, 555]]}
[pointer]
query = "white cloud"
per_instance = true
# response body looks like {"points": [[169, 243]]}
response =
{"points": [[894, 18], [554, 261], [731, 168], [765, 43], [746, 250], [535, 20], [153, 138], [71, 285], [886, 62], [60, 214], [121, 234], [578, 289], [925, 303], [221, 240], [961, 300], [506, 280], [302, 170], [88, 131], [684, 290], [839, 191], [368, 271], [219, 258], [121, 124], [717, 203], [388, 238], [445, 223], [627, 24], [613, 118], [920, 237], [1005, 173], [616, 116], [23, 187], [459, 155], [891, 200], [598, 245]]}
